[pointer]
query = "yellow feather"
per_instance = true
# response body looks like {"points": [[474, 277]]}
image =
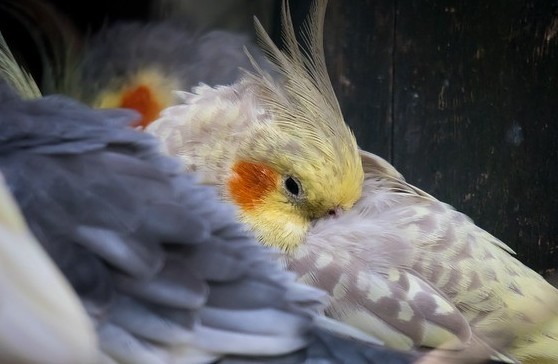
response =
{"points": [[15, 75], [305, 102], [161, 85]]}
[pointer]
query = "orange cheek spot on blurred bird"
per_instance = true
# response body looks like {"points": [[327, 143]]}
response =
{"points": [[250, 183], [142, 99]]}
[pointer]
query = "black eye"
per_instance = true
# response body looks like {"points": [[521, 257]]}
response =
{"points": [[292, 186]]}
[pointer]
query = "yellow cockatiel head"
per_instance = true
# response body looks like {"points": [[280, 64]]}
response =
{"points": [[278, 148]]}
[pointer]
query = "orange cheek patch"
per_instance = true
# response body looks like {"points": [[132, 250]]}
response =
{"points": [[142, 99], [250, 183]]}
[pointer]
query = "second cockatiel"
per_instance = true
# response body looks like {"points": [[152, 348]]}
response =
{"points": [[133, 64], [138, 65], [399, 264]]}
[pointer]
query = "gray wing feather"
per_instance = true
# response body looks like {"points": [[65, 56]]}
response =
{"points": [[326, 349], [143, 322], [124, 348], [174, 286]]}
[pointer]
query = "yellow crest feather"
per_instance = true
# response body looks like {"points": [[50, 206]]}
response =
{"points": [[305, 100], [15, 75]]}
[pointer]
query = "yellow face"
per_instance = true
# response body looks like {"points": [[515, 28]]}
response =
{"points": [[280, 206], [147, 92]]}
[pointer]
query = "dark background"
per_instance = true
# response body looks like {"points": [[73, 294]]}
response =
{"points": [[462, 97]]}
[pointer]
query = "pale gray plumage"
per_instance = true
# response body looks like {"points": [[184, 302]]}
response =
{"points": [[415, 272], [158, 262]]}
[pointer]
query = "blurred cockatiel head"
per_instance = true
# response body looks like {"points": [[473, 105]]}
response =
{"points": [[138, 65], [133, 64], [279, 149]]}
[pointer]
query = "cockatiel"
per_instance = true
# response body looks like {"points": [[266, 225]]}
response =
{"points": [[398, 264], [138, 66], [160, 265], [280, 151]]}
